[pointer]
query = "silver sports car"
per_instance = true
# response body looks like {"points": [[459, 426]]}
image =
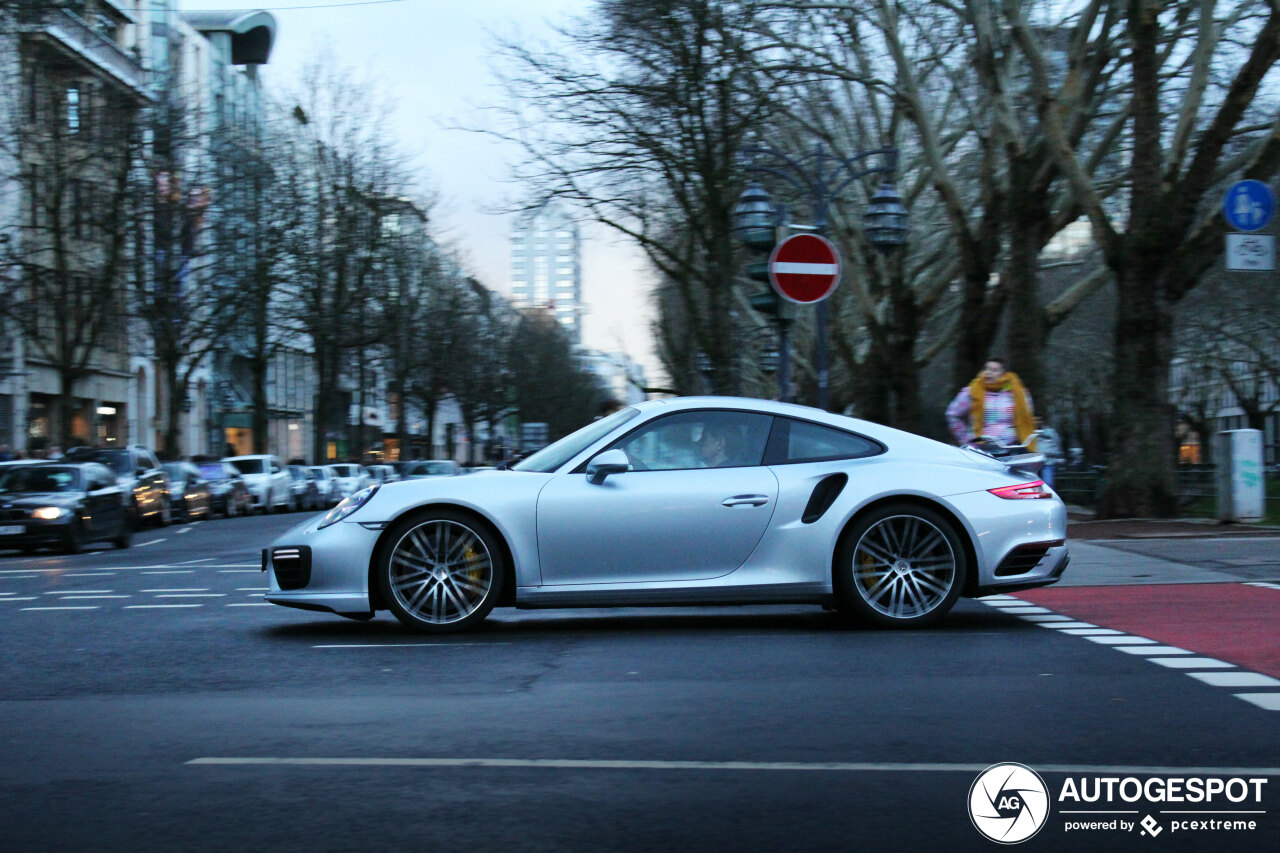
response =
{"points": [[688, 501]]}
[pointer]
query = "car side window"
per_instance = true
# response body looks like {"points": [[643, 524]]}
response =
{"points": [[702, 439], [801, 441]]}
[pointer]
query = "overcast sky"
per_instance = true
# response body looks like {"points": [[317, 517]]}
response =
{"points": [[432, 56]]}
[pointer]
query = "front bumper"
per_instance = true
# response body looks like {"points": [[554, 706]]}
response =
{"points": [[35, 532], [321, 569]]}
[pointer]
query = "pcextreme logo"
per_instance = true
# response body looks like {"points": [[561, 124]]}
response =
{"points": [[1008, 803]]}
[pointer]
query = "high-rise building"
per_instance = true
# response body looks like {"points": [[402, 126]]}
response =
{"points": [[546, 266]]}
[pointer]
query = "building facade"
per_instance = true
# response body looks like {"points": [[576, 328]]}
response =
{"points": [[546, 266]]}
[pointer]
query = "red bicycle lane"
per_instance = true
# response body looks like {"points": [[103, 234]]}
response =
{"points": [[1233, 622]]}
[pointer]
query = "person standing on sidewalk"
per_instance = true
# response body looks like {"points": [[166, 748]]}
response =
{"points": [[994, 405]]}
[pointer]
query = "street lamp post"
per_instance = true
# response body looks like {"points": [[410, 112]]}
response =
{"points": [[820, 177]]}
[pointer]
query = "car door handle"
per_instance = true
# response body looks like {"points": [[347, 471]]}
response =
{"points": [[745, 500]]}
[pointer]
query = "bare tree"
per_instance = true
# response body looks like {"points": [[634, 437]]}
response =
{"points": [[1193, 118], [639, 119]]}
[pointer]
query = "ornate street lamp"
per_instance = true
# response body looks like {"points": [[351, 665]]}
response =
{"points": [[820, 177]]}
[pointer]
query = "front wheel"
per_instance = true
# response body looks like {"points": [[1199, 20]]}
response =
{"points": [[901, 566], [443, 572]]}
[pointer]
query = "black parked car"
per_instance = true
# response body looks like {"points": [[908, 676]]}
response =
{"points": [[190, 496], [65, 505], [139, 472], [230, 493]]}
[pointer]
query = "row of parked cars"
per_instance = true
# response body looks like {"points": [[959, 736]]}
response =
{"points": [[104, 494]]}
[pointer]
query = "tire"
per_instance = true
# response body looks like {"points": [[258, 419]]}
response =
{"points": [[125, 537], [165, 517], [434, 597], [901, 566], [74, 542]]}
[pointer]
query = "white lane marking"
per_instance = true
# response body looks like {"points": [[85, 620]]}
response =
{"points": [[90, 575], [24, 598], [11, 577], [1236, 679], [1264, 584], [179, 589], [1045, 620], [152, 542], [158, 606], [1265, 701], [990, 598], [1121, 641], [1068, 625], [78, 591], [193, 562], [253, 589], [239, 571], [187, 572], [1153, 650], [65, 607], [832, 766], [192, 595], [252, 604], [1193, 663], [183, 530], [1089, 632], [88, 597], [1024, 611], [402, 645]]}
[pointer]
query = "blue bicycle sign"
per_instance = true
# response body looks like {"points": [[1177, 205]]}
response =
{"points": [[1249, 205]]}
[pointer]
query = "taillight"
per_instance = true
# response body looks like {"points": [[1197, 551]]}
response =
{"points": [[1023, 491]]}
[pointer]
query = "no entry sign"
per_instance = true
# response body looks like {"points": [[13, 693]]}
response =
{"points": [[804, 268]]}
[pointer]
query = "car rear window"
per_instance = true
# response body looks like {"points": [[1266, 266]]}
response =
{"points": [[212, 471], [801, 441]]}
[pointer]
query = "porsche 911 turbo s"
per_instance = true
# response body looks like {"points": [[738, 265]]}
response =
{"points": [[687, 501]]}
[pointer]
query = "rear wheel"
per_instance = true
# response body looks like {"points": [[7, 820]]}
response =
{"points": [[443, 571], [901, 566]]}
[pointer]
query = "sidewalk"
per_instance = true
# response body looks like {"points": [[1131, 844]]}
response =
{"points": [[1164, 551]]}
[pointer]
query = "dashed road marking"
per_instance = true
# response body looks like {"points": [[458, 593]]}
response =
{"points": [[159, 606]]}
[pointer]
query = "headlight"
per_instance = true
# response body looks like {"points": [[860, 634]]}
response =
{"points": [[48, 513], [347, 508]]}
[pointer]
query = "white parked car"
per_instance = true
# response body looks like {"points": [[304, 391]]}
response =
{"points": [[382, 473], [326, 484], [350, 478], [268, 480], [430, 468]]}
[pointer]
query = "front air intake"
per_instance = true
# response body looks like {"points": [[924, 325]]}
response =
{"points": [[292, 566]]}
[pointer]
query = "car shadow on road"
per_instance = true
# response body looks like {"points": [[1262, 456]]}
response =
{"points": [[509, 624]]}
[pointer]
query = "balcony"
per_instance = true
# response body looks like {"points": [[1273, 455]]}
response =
{"points": [[67, 31]]}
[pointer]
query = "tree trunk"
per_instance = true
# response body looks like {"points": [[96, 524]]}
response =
{"points": [[1140, 475]]}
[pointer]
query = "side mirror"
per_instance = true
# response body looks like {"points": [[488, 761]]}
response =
{"points": [[610, 462]]}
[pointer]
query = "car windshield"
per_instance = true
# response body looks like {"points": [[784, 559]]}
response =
{"points": [[40, 479], [248, 466], [116, 460], [554, 455], [344, 470], [212, 471], [435, 468]]}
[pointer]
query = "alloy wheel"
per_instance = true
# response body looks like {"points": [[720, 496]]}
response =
{"points": [[441, 572], [905, 567]]}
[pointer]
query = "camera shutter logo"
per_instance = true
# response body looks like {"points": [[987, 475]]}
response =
{"points": [[1008, 803]]}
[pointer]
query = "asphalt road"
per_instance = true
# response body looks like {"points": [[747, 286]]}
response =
{"points": [[150, 700]]}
